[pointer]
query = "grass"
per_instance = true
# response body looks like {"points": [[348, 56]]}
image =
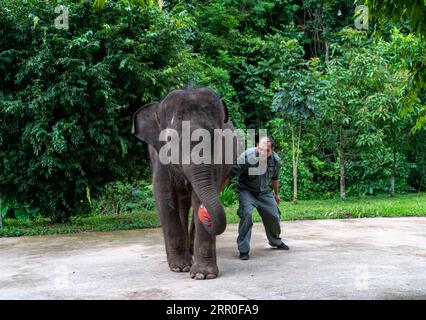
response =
{"points": [[356, 207], [129, 221]]}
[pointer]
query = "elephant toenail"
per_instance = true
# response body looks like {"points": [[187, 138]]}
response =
{"points": [[199, 276]]}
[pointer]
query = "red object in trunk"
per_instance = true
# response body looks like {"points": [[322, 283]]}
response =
{"points": [[204, 216]]}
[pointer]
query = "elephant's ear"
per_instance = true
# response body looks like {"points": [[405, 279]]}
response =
{"points": [[146, 124], [225, 111]]}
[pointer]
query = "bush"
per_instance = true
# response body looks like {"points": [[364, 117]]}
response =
{"points": [[119, 197], [12, 209], [228, 196]]}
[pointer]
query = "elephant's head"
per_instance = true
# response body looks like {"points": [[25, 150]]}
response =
{"points": [[204, 110]]}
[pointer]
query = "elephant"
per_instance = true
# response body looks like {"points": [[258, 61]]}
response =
{"points": [[190, 247]]}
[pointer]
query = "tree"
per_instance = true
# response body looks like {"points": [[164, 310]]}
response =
{"points": [[297, 97], [363, 105], [398, 10], [320, 22], [413, 12], [345, 95], [338, 110]]}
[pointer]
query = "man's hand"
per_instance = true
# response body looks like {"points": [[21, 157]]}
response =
{"points": [[276, 190], [277, 198]]}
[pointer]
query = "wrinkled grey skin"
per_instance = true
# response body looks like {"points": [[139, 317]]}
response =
{"points": [[178, 187]]}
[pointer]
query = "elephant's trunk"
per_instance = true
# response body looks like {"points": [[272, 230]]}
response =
{"points": [[204, 185]]}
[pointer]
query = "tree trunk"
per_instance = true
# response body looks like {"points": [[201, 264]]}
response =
{"points": [[296, 157], [295, 196], [393, 177], [293, 154], [327, 53], [342, 166], [392, 188]]}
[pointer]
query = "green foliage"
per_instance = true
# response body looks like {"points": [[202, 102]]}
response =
{"points": [[18, 211], [299, 92], [317, 179], [407, 53], [67, 97], [410, 49], [399, 10], [101, 3], [119, 197], [242, 39], [321, 22], [266, 59], [360, 112], [228, 196]]}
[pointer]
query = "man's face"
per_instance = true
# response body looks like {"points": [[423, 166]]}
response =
{"points": [[264, 148]]}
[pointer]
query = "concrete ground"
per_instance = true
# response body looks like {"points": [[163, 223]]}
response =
{"points": [[381, 258]]}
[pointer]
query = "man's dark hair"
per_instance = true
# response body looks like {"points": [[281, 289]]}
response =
{"points": [[272, 141]]}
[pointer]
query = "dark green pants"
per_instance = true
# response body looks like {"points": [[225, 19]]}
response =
{"points": [[267, 207]]}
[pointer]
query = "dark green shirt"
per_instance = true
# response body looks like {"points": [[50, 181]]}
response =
{"points": [[255, 183]]}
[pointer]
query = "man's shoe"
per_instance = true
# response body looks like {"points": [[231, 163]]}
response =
{"points": [[283, 246], [244, 256]]}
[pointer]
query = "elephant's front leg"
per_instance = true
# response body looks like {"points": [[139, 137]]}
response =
{"points": [[204, 264], [175, 237], [175, 232]]}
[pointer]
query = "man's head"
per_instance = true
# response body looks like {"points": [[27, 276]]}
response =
{"points": [[265, 147]]}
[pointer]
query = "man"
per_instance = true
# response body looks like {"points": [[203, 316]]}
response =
{"points": [[254, 192]]}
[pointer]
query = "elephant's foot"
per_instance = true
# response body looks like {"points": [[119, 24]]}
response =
{"points": [[202, 271], [180, 263]]}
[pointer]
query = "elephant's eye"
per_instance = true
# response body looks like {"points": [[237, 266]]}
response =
{"points": [[176, 118]]}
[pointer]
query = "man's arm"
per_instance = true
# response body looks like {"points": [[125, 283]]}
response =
{"points": [[239, 166], [275, 184], [276, 188]]}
